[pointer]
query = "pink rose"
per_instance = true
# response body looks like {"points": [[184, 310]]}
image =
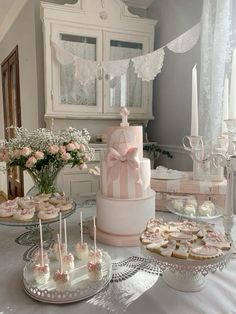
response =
{"points": [[77, 145], [70, 147], [83, 167], [39, 155], [16, 153], [65, 156], [31, 162], [62, 149], [82, 147], [25, 151], [54, 149], [87, 157]]}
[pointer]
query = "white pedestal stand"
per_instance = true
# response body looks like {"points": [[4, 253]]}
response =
{"points": [[187, 275], [186, 282]]}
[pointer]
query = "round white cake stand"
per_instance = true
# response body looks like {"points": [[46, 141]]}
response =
{"points": [[187, 275], [81, 287]]}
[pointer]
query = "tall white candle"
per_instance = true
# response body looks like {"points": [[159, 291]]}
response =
{"points": [[232, 103], [194, 116], [81, 228], [225, 105], [41, 241], [95, 239], [65, 235]]}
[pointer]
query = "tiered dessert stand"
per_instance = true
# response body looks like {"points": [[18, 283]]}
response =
{"points": [[187, 275], [81, 287], [31, 237]]}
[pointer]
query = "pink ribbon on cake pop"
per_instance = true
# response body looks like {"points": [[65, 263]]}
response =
{"points": [[115, 161]]}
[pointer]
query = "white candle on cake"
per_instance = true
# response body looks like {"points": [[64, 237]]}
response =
{"points": [[225, 105], [194, 114], [232, 103]]}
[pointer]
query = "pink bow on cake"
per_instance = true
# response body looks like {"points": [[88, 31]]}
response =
{"points": [[115, 161]]}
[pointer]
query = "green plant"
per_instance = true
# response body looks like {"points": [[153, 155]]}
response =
{"points": [[154, 151]]}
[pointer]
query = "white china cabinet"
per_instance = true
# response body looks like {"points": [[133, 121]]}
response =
{"points": [[97, 30]]}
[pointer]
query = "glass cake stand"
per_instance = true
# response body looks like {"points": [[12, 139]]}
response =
{"points": [[187, 275], [81, 287], [32, 237]]}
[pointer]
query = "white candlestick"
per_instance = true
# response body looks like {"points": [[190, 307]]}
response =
{"points": [[65, 235], [194, 117], [232, 103], [81, 228], [59, 248], [94, 238], [225, 105], [41, 241]]}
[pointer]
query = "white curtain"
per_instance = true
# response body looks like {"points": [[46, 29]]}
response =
{"points": [[216, 56], [72, 92]]}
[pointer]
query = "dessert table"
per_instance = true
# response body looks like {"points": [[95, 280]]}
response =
{"points": [[218, 296]]}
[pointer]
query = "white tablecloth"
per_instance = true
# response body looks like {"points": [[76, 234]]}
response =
{"points": [[219, 295]]}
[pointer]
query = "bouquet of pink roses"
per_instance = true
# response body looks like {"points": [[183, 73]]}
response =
{"points": [[44, 153]]}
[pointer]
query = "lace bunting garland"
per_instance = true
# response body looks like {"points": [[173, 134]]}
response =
{"points": [[116, 68], [147, 67], [186, 41]]}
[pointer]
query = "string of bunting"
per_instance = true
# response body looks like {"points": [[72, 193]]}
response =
{"points": [[146, 66]]}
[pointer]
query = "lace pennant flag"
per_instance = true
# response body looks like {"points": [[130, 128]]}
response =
{"points": [[116, 68], [85, 70], [63, 57], [148, 66], [186, 41]]}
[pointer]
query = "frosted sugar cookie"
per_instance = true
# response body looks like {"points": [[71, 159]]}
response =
{"points": [[217, 240], [24, 214], [205, 251]]}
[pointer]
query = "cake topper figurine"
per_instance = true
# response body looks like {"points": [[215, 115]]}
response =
{"points": [[124, 113]]}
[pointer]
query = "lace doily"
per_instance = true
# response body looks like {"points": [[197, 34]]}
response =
{"points": [[85, 70], [130, 279], [186, 41], [63, 57], [116, 68], [148, 66]]}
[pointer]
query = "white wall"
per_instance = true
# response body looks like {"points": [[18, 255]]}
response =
{"points": [[172, 87]]}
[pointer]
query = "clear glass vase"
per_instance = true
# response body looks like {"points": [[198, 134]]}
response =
{"points": [[44, 179]]}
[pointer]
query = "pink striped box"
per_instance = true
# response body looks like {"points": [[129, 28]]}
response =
{"points": [[202, 190]]}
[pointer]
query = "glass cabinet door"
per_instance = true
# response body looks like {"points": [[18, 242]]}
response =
{"points": [[71, 95], [71, 90], [126, 90]]}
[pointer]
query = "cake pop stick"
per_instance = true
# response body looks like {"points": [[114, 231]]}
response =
{"points": [[60, 229], [81, 228], [41, 241], [65, 236], [59, 248], [94, 238]]}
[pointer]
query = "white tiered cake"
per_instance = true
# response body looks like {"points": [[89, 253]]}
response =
{"points": [[125, 200]]}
